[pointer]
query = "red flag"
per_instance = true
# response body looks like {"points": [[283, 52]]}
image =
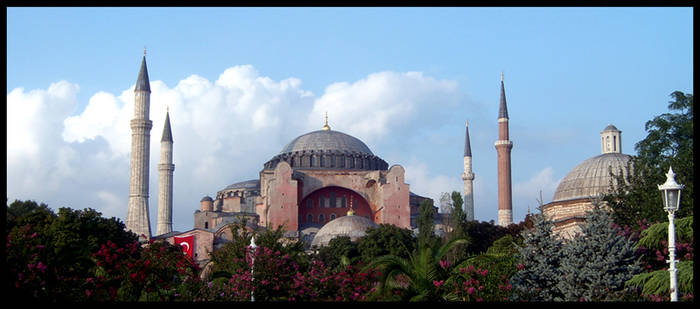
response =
{"points": [[187, 244]]}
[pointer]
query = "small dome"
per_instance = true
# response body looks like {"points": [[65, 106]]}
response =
{"points": [[610, 127], [591, 177], [352, 226], [206, 198]]}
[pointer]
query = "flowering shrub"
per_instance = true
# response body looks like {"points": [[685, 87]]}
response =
{"points": [[478, 284], [273, 276], [158, 271]]}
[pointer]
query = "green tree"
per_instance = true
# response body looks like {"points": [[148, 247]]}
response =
{"points": [[426, 224], [418, 278], [653, 249], [486, 276], [49, 255], [597, 262], [539, 260], [339, 253], [386, 239], [669, 142]]}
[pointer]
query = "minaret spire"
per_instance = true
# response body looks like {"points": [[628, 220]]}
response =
{"points": [[468, 177], [137, 217], [503, 148], [165, 179]]}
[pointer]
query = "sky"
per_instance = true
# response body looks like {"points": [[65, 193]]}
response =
{"points": [[241, 83]]}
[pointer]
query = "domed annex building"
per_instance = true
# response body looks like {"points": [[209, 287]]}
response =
{"points": [[588, 180]]}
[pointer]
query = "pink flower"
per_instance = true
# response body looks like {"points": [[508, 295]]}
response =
{"points": [[444, 264], [438, 283], [471, 290], [521, 266], [41, 267]]}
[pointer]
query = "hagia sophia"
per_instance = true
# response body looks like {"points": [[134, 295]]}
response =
{"points": [[326, 183]]}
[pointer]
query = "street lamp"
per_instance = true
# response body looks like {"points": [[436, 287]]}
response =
{"points": [[672, 197], [252, 266]]}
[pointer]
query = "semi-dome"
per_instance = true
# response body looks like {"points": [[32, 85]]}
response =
{"points": [[328, 149], [351, 226], [248, 185], [591, 177]]}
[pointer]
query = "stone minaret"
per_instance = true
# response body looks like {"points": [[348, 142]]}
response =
{"points": [[503, 147], [137, 216], [165, 180], [468, 177], [611, 140]]}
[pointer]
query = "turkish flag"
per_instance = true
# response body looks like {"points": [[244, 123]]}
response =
{"points": [[187, 244]]}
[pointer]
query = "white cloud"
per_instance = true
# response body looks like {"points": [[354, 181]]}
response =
{"points": [[223, 132], [384, 102], [526, 194], [424, 183]]}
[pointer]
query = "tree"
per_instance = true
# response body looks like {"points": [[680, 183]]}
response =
{"points": [[669, 142], [49, 255], [339, 253], [597, 262], [386, 239], [459, 218], [485, 277], [426, 224], [652, 247], [539, 260], [418, 278]]}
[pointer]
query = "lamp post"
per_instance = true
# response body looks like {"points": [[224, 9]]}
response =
{"points": [[672, 197], [252, 267]]}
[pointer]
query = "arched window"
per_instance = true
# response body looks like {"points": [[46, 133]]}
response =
{"points": [[323, 161], [332, 217], [310, 218], [614, 143], [313, 161], [332, 200], [321, 219], [310, 204], [206, 225]]}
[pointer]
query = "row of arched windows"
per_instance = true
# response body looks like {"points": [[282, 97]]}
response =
{"points": [[328, 202], [350, 161]]}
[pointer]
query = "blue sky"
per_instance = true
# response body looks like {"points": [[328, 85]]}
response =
{"points": [[242, 82]]}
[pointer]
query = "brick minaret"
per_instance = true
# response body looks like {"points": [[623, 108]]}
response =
{"points": [[137, 216], [503, 147], [468, 177], [165, 180]]}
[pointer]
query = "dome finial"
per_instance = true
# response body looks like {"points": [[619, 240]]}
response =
{"points": [[325, 126], [501, 75], [351, 212], [144, 50]]}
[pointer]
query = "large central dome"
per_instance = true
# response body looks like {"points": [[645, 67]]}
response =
{"points": [[328, 149], [327, 140]]}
